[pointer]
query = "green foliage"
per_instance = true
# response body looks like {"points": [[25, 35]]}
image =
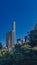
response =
{"points": [[23, 55]]}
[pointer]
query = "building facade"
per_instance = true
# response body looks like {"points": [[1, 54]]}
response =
{"points": [[10, 38]]}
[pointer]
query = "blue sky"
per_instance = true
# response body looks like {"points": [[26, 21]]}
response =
{"points": [[24, 12]]}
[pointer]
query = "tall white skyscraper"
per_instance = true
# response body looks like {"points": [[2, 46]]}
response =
{"points": [[13, 26], [13, 34], [10, 37]]}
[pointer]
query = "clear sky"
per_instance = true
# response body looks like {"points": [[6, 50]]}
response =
{"points": [[24, 12]]}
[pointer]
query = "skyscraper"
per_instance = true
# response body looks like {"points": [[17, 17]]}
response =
{"points": [[10, 37], [33, 36], [13, 34], [9, 40]]}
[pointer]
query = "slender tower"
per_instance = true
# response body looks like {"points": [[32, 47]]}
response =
{"points": [[13, 34]]}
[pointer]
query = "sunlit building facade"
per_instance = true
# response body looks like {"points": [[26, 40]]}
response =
{"points": [[10, 37]]}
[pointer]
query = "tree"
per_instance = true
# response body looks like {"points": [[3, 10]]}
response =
{"points": [[0, 45]]}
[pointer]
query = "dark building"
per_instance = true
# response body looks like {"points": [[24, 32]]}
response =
{"points": [[33, 36]]}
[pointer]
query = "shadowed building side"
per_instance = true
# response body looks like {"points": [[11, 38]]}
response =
{"points": [[9, 40]]}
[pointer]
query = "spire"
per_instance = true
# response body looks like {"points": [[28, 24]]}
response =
{"points": [[13, 26]]}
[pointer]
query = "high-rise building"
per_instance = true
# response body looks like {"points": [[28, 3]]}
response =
{"points": [[9, 40], [33, 36], [13, 34], [10, 37]]}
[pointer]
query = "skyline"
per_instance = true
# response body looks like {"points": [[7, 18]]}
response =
{"points": [[21, 11]]}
